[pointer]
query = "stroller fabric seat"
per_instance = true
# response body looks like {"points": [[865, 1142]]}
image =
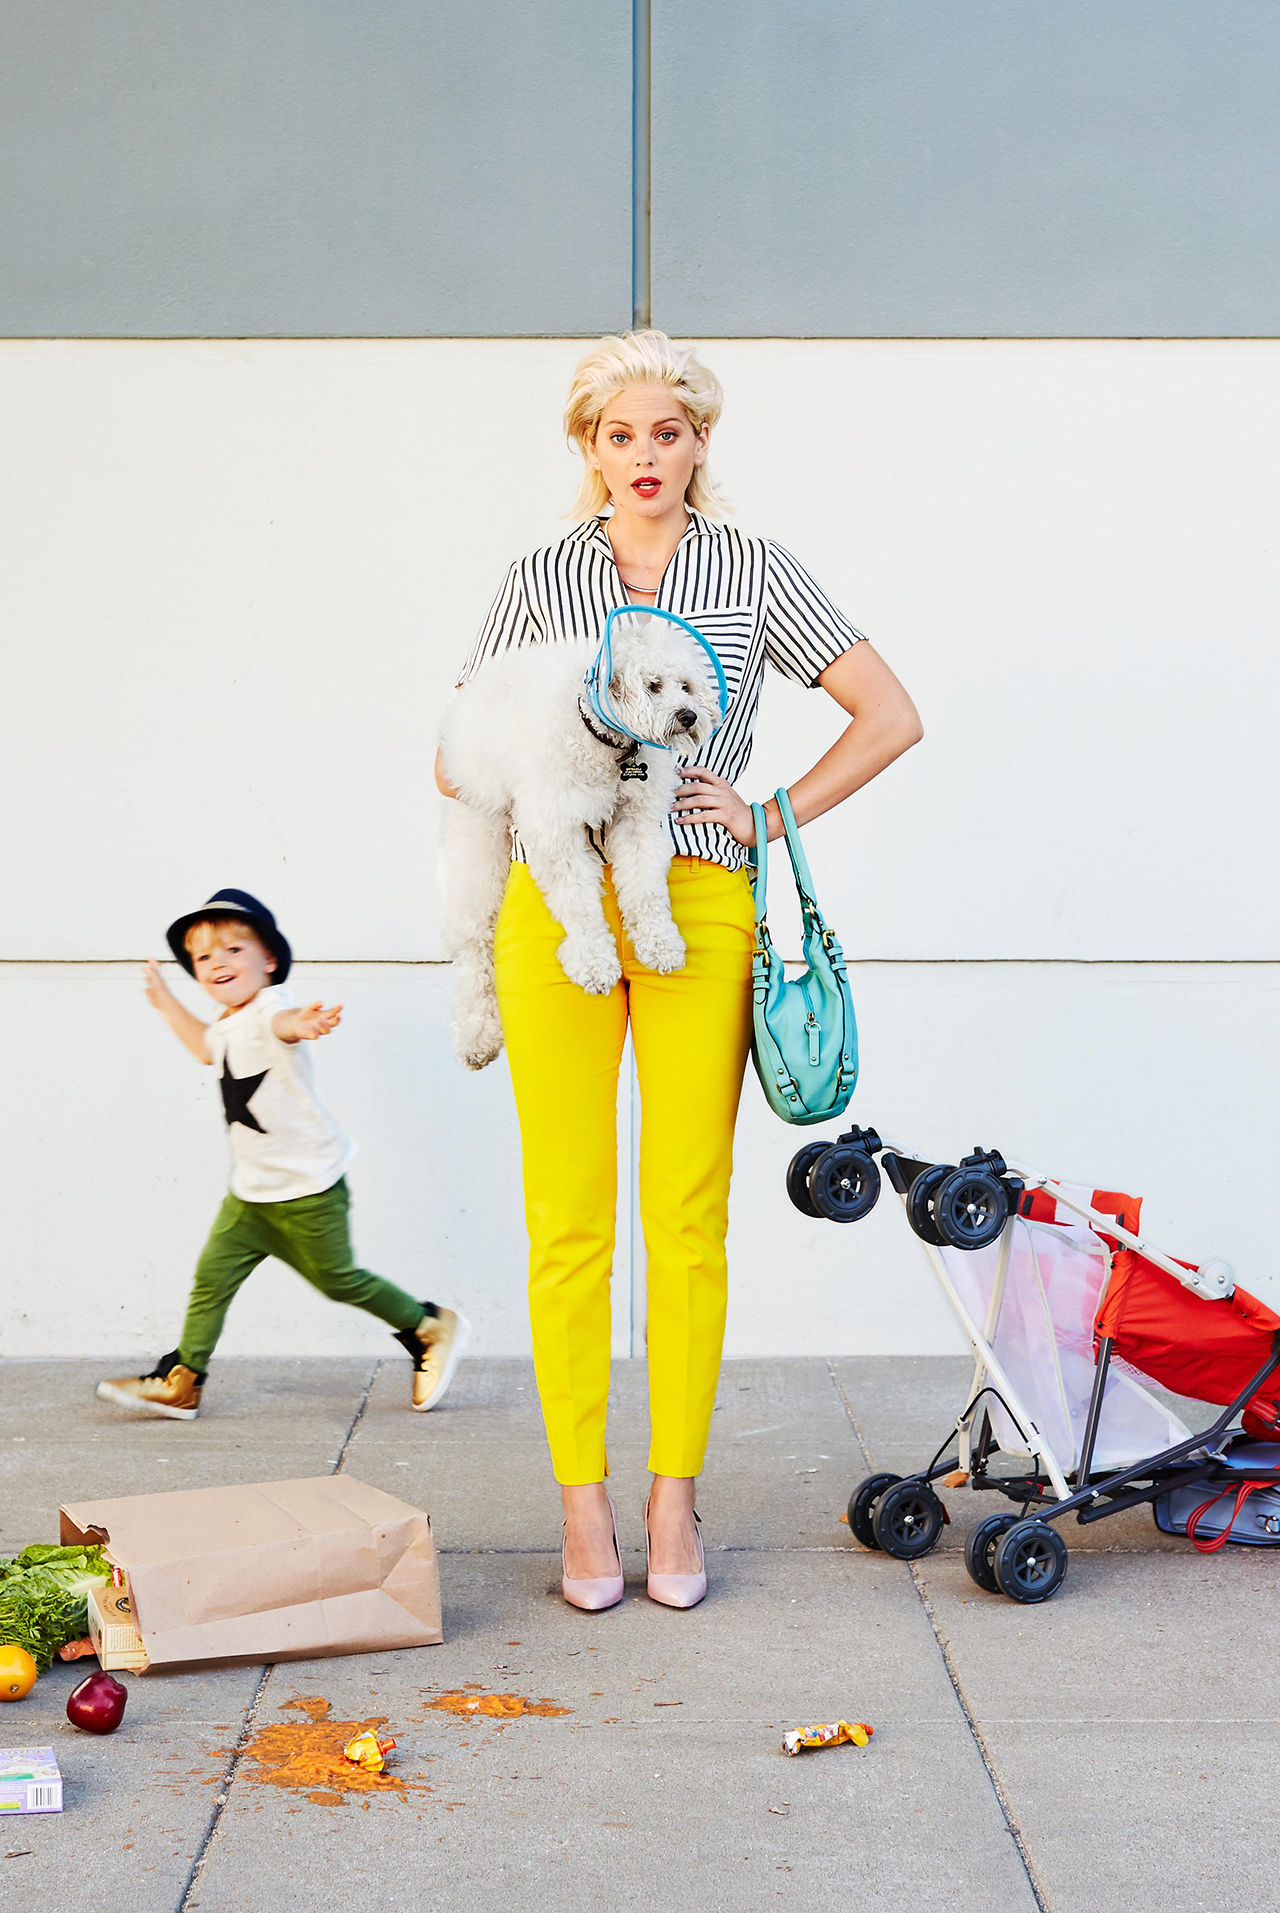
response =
{"points": [[1207, 1350]]}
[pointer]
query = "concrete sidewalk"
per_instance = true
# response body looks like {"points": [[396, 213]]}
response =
{"points": [[1108, 1750]]}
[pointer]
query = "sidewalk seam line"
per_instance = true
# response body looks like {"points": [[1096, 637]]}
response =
{"points": [[223, 1799], [224, 1796], [358, 1417], [1038, 1892]]}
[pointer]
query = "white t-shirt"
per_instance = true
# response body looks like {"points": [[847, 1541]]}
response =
{"points": [[284, 1142]]}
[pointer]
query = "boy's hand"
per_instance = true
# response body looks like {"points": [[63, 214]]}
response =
{"points": [[187, 1028], [303, 1026], [159, 995]]}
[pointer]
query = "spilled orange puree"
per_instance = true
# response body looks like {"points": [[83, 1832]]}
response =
{"points": [[493, 1706], [307, 1757]]}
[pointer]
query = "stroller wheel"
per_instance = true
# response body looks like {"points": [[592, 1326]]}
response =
{"points": [[862, 1507], [798, 1176], [908, 1520], [843, 1184], [980, 1548], [919, 1209], [970, 1208], [1029, 1562]]}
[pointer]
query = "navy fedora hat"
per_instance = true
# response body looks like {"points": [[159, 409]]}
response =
{"points": [[233, 903]]}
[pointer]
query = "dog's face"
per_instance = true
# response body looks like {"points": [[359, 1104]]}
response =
{"points": [[662, 685]]}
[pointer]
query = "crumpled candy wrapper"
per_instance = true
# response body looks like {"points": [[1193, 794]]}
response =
{"points": [[367, 1751], [831, 1733]]}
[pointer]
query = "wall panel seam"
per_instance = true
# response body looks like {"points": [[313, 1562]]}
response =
{"points": [[854, 963], [641, 162], [641, 316]]}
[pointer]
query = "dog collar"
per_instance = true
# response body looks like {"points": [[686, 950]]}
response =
{"points": [[630, 763], [627, 745]]}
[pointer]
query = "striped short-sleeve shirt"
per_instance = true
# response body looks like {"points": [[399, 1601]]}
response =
{"points": [[748, 597]]}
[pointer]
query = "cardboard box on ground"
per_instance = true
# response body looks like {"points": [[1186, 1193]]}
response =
{"points": [[29, 1780], [281, 1570], [113, 1629]]}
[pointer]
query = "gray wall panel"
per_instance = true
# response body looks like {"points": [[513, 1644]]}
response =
{"points": [[313, 167], [966, 167]]}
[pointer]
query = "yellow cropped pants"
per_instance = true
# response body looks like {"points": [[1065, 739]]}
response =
{"points": [[691, 1032]]}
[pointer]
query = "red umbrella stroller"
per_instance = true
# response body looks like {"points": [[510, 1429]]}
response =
{"points": [[1069, 1314]]}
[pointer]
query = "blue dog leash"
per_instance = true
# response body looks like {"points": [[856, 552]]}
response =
{"points": [[596, 684]]}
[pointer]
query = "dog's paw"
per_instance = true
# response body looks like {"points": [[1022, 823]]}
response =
{"points": [[479, 1055], [590, 962], [478, 1039], [659, 947]]}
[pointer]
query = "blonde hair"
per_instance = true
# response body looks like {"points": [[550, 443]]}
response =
{"points": [[218, 922], [640, 358]]}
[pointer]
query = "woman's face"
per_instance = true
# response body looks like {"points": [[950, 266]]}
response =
{"points": [[646, 450]]}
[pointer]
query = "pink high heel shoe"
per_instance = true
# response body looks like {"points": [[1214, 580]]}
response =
{"points": [[677, 1590], [594, 1592]]}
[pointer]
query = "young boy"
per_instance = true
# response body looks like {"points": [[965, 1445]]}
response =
{"points": [[288, 1193]]}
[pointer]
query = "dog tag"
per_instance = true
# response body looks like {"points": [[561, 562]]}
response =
{"points": [[634, 770]]}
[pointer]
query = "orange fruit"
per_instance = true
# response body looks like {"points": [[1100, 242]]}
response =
{"points": [[17, 1672]]}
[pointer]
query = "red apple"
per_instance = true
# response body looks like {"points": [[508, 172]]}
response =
{"points": [[97, 1704]]}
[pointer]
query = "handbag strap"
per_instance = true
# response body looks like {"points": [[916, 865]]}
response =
{"points": [[795, 850], [1220, 1540], [760, 867]]}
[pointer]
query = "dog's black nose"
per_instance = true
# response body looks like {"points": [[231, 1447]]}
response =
{"points": [[686, 719]]}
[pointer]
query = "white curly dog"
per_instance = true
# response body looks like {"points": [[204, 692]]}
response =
{"points": [[524, 750]]}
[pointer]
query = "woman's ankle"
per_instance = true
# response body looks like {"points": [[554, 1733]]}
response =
{"points": [[673, 1534], [585, 1501], [673, 1496], [589, 1550]]}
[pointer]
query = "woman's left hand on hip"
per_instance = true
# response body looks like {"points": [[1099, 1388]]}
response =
{"points": [[704, 798]]}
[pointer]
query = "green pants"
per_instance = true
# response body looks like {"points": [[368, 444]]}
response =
{"points": [[311, 1235]]}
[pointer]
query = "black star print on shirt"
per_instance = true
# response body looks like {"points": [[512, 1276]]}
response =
{"points": [[237, 1092]]}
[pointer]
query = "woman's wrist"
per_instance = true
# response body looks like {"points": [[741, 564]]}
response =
{"points": [[772, 820]]}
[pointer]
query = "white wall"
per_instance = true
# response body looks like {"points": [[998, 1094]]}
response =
{"points": [[238, 580]]}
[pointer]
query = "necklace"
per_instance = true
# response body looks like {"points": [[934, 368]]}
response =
{"points": [[650, 590]]}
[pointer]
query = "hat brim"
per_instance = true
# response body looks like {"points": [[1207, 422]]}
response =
{"points": [[176, 935]]}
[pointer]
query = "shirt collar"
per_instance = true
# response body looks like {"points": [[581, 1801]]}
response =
{"points": [[592, 531]]}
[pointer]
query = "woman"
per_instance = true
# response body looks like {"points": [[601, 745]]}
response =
{"points": [[641, 411]]}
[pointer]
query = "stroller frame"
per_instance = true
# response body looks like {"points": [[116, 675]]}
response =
{"points": [[1090, 1501], [913, 1515]]}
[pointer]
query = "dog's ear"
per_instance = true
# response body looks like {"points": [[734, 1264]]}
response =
{"points": [[630, 700]]}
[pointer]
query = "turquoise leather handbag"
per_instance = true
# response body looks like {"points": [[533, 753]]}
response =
{"points": [[804, 1036]]}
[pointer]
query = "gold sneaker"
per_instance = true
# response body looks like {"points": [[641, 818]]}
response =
{"points": [[171, 1389], [435, 1346]]}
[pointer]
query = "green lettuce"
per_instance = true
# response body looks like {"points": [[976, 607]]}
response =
{"points": [[44, 1597]]}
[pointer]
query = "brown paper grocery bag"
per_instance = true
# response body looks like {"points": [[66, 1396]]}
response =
{"points": [[282, 1570]]}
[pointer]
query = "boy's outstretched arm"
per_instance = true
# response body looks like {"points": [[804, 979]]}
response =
{"points": [[185, 1026], [303, 1026]]}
